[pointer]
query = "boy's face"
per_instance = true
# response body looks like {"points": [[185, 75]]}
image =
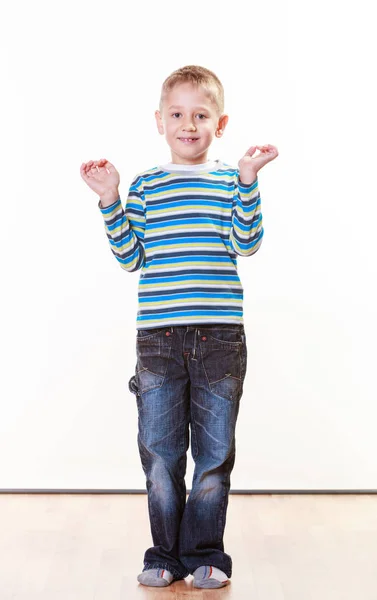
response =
{"points": [[189, 113]]}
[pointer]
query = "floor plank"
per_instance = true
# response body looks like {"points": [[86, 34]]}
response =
{"points": [[284, 547]]}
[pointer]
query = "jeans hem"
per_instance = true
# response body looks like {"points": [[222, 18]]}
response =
{"points": [[168, 567]]}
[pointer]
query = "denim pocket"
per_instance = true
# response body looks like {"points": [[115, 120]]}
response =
{"points": [[153, 353], [221, 350], [148, 333], [223, 335]]}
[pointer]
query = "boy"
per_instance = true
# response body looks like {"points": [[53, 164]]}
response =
{"points": [[184, 224]]}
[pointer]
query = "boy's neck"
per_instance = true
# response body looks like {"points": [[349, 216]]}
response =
{"points": [[204, 162], [209, 165]]}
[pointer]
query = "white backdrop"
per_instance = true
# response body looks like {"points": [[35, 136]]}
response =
{"points": [[81, 81]]}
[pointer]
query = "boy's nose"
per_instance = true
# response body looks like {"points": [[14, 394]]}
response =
{"points": [[189, 127]]}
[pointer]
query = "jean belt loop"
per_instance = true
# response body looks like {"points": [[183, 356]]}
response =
{"points": [[171, 329]]}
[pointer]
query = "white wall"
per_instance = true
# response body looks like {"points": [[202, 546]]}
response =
{"points": [[81, 81]]}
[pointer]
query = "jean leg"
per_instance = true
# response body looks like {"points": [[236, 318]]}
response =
{"points": [[162, 388], [216, 388]]}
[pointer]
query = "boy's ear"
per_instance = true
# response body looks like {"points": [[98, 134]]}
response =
{"points": [[221, 125], [160, 125]]}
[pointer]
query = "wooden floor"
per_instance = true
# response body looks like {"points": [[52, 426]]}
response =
{"points": [[91, 547]]}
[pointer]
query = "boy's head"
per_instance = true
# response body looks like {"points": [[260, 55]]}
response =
{"points": [[191, 106]]}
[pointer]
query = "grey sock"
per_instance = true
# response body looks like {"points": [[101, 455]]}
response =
{"points": [[155, 577], [209, 577]]}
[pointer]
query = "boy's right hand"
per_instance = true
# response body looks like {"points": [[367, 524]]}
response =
{"points": [[103, 178]]}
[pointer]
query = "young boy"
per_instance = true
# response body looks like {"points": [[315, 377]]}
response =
{"points": [[184, 224]]}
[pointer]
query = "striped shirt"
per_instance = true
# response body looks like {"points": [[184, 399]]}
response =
{"points": [[184, 227]]}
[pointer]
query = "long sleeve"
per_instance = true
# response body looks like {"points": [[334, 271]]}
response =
{"points": [[125, 228], [247, 230]]}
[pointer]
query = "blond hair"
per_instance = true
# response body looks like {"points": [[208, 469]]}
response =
{"points": [[199, 76]]}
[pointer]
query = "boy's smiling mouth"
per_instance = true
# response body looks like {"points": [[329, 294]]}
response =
{"points": [[188, 140]]}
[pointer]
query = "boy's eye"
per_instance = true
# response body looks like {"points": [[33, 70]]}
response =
{"points": [[201, 115]]}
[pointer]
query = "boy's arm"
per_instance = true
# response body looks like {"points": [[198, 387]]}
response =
{"points": [[247, 231], [125, 228]]}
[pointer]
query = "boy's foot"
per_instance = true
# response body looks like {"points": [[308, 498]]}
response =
{"points": [[156, 577], [209, 577]]}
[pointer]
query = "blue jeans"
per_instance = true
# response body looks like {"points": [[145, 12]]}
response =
{"points": [[188, 375]]}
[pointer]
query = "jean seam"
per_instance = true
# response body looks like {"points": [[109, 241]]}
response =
{"points": [[194, 439], [221, 512]]}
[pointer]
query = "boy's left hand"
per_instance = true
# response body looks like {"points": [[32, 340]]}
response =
{"points": [[249, 165]]}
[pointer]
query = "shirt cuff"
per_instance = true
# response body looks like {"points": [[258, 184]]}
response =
{"points": [[105, 209], [243, 187]]}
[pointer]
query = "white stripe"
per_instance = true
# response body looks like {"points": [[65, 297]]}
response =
{"points": [[182, 230], [195, 192], [217, 304], [213, 248], [183, 321], [169, 269], [178, 285], [200, 209]]}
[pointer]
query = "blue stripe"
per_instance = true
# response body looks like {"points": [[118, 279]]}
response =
{"points": [[175, 222], [182, 240], [161, 298], [192, 258], [210, 313]]}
